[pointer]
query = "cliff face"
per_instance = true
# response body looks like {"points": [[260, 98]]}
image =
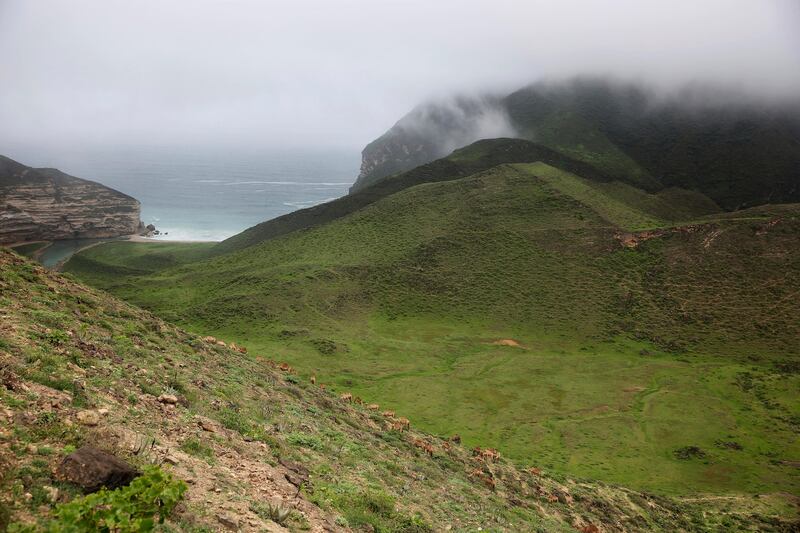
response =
{"points": [[432, 131], [46, 204]]}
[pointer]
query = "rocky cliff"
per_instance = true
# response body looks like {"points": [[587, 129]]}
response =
{"points": [[432, 131], [46, 204]]}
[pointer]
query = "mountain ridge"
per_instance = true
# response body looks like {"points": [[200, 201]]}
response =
{"points": [[737, 153]]}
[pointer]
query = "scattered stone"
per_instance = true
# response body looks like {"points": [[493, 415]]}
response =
{"points": [[75, 368], [171, 459], [88, 418], [228, 521], [52, 493], [102, 411], [206, 425], [93, 469], [689, 452], [297, 474], [168, 399], [32, 449]]}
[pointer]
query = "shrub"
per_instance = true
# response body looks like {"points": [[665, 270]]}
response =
{"points": [[133, 509], [272, 511], [370, 507], [305, 440], [689, 452], [195, 447]]}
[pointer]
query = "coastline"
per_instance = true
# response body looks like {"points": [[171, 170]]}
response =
{"points": [[141, 238], [122, 238], [37, 254]]}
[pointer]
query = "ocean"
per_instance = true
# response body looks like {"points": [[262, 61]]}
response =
{"points": [[207, 195]]}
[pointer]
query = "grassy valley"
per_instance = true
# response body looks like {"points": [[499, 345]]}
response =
{"points": [[257, 447], [585, 325]]}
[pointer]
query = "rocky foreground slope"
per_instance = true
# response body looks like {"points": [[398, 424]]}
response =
{"points": [[46, 204], [258, 445]]}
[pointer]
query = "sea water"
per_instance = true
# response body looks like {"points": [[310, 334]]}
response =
{"points": [[207, 194]]}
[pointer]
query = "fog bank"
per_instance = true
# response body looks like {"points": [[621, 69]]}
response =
{"points": [[274, 74]]}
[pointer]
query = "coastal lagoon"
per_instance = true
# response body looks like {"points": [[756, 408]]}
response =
{"points": [[207, 195]]}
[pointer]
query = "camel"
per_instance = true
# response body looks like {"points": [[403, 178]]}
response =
{"points": [[405, 421], [396, 426], [222, 343], [456, 439], [388, 414], [419, 443], [590, 528], [534, 471], [285, 367], [358, 400], [486, 478], [313, 380], [346, 396], [210, 339], [373, 407], [490, 454]]}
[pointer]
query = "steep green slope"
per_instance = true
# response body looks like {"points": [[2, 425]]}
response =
{"points": [[476, 157], [736, 152], [623, 316]]}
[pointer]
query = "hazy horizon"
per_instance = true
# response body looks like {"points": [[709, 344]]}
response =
{"points": [[267, 75]]}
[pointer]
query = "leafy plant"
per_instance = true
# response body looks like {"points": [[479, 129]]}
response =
{"points": [[305, 440], [137, 508], [272, 511], [198, 448]]}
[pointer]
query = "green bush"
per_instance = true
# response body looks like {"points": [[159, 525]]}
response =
{"points": [[305, 440], [133, 509]]}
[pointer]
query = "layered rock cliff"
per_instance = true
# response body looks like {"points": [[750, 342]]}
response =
{"points": [[47, 204]]}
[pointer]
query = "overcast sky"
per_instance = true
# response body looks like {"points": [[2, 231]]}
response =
{"points": [[338, 73]]}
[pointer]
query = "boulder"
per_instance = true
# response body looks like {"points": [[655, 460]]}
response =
{"points": [[88, 418], [168, 399], [93, 469]]}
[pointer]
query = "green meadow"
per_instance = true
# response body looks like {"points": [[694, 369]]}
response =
{"points": [[669, 366]]}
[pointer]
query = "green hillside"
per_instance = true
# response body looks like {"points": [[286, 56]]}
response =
{"points": [[737, 153], [477, 157], [257, 446], [621, 315]]}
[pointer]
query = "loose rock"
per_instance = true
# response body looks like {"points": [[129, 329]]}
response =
{"points": [[228, 521], [93, 469], [88, 418], [168, 399]]}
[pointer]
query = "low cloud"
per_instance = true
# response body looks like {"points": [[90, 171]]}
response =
{"points": [[269, 74], [458, 121]]}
